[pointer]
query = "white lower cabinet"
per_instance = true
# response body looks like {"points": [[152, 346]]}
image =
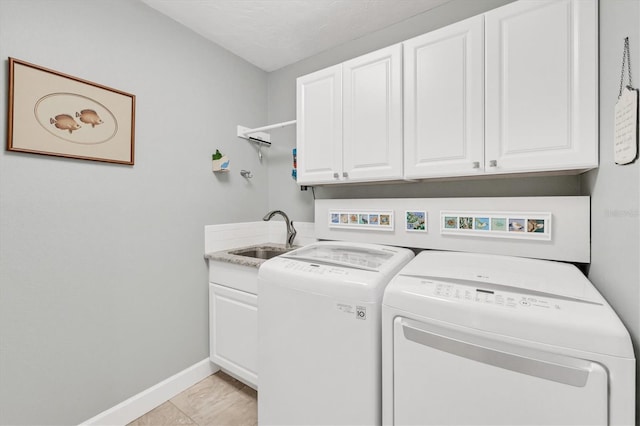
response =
{"points": [[233, 334]]}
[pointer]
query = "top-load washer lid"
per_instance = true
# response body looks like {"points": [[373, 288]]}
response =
{"points": [[358, 257], [357, 271], [530, 299]]}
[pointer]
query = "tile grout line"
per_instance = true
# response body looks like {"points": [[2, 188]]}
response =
{"points": [[179, 409]]}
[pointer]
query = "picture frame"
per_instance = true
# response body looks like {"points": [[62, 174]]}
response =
{"points": [[51, 113], [415, 221]]}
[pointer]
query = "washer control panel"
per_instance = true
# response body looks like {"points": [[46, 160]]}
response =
{"points": [[491, 297], [314, 268]]}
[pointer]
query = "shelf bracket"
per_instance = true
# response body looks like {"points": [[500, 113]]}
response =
{"points": [[260, 138], [257, 135]]}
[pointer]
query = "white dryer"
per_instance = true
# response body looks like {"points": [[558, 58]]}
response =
{"points": [[473, 339], [319, 337]]}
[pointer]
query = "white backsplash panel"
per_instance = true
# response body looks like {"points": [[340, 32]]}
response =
{"points": [[554, 228], [243, 234]]}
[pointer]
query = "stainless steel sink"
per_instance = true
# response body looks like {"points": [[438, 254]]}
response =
{"points": [[261, 252]]}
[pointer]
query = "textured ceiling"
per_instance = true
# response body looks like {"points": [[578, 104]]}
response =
{"points": [[274, 33]]}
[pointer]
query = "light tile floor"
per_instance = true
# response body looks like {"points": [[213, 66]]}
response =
{"points": [[217, 400]]}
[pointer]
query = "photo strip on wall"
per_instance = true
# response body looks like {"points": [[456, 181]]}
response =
{"points": [[520, 225], [370, 220]]}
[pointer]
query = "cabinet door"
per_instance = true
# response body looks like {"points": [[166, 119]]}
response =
{"points": [[319, 126], [372, 144], [444, 101], [233, 332], [542, 86]]}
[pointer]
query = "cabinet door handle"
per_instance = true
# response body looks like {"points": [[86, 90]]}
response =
{"points": [[336, 175], [476, 164], [345, 174], [493, 163]]}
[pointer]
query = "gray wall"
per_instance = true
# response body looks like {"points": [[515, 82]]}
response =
{"points": [[283, 191], [103, 286], [615, 190]]}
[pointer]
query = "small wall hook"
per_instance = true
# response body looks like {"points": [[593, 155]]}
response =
{"points": [[246, 174]]}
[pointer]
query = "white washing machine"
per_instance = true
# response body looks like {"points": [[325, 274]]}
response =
{"points": [[319, 338], [496, 340]]}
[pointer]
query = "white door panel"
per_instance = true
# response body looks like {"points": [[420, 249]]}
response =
{"points": [[444, 101], [541, 94], [319, 126], [234, 332], [372, 145]]}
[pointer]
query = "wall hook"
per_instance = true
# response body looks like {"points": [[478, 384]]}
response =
{"points": [[246, 174]]}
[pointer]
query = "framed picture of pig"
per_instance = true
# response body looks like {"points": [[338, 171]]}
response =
{"points": [[51, 113]]}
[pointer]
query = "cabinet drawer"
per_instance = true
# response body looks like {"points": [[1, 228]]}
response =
{"points": [[239, 277]]}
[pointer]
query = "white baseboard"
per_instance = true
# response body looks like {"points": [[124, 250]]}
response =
{"points": [[148, 399]]}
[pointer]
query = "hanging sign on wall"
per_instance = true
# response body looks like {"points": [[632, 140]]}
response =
{"points": [[625, 142]]}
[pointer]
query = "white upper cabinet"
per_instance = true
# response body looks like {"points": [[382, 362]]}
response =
{"points": [[363, 98], [372, 102], [514, 90], [541, 86], [444, 101], [319, 126]]}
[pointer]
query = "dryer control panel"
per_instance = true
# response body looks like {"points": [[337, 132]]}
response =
{"points": [[491, 296]]}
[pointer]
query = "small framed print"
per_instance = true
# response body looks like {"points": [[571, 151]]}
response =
{"points": [[465, 222], [451, 222], [499, 223], [481, 223], [370, 220], [415, 221], [517, 224]]}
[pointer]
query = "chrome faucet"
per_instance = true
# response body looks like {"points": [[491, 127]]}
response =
{"points": [[291, 231]]}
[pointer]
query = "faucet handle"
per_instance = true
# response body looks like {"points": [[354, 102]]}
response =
{"points": [[291, 234]]}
